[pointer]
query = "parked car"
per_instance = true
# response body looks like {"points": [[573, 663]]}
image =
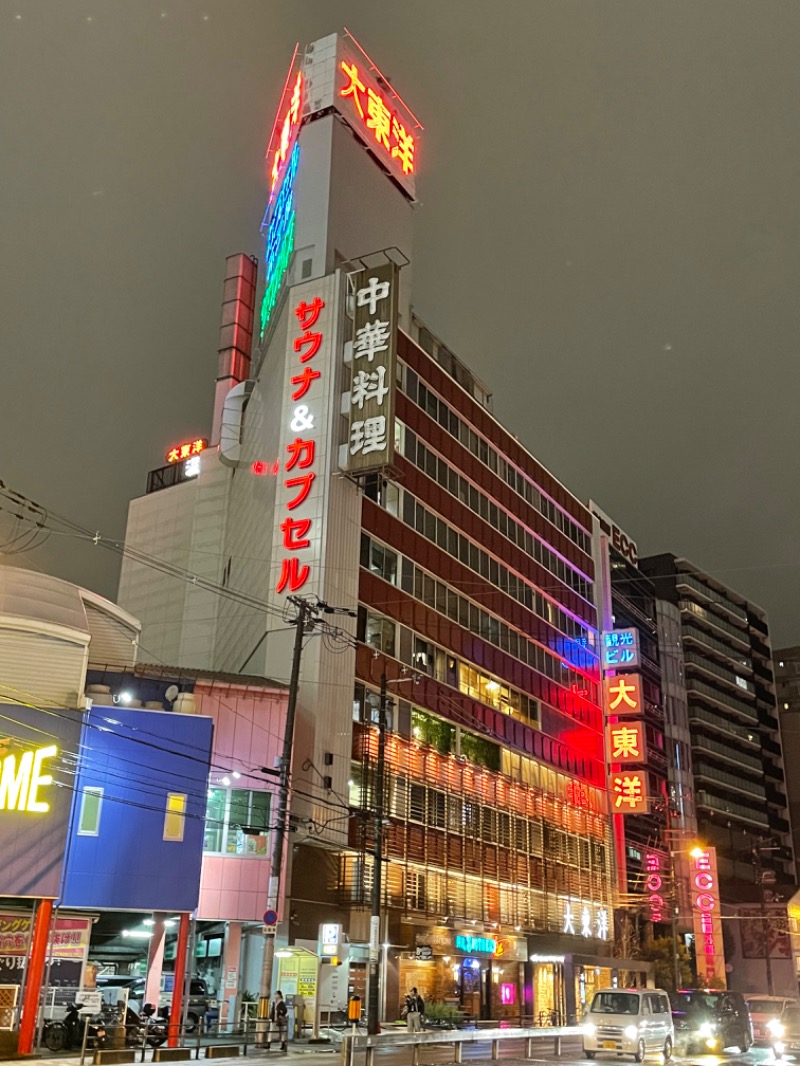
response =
{"points": [[784, 1031], [707, 1020], [630, 1021], [763, 1009]]}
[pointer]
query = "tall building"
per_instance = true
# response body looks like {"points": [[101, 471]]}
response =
{"points": [[355, 461], [740, 793], [786, 664]]}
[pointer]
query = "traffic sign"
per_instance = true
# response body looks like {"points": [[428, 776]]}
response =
{"points": [[270, 917]]}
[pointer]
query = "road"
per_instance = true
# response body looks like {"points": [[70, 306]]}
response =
{"points": [[510, 1053]]}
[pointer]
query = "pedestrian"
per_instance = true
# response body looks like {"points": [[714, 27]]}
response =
{"points": [[278, 1019], [415, 1007]]}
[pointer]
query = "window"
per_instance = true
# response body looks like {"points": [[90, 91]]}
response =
{"points": [[237, 822], [91, 804], [175, 817]]}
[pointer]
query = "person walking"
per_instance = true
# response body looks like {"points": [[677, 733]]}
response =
{"points": [[278, 1019], [414, 1010]]}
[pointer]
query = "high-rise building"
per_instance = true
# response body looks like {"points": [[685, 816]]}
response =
{"points": [[739, 791], [786, 664], [355, 461]]}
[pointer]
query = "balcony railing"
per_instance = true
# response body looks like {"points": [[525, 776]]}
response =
{"points": [[691, 632], [712, 596], [725, 751], [717, 721], [715, 620], [728, 703], [738, 782], [710, 667], [735, 810]]}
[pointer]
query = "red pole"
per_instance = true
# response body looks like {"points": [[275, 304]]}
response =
{"points": [[33, 987], [180, 975]]}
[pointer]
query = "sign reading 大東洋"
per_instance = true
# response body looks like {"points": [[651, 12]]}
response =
{"points": [[370, 445]]}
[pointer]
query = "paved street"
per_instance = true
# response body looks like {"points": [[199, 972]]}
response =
{"points": [[509, 1052]]}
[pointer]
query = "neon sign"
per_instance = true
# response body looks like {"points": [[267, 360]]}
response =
{"points": [[709, 950], [469, 944], [20, 781], [300, 466], [595, 926], [628, 792], [186, 450], [625, 742], [621, 649], [286, 133], [378, 117], [653, 883], [280, 239], [623, 694]]}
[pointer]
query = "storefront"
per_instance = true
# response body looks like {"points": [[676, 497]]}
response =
{"points": [[481, 974], [563, 985]]}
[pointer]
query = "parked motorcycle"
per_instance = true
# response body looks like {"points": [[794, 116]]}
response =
{"points": [[67, 1034], [144, 1028]]}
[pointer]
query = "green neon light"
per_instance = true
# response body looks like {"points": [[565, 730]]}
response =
{"points": [[277, 275]]}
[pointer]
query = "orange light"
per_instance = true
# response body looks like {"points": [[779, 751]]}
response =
{"points": [[628, 792], [186, 449], [625, 742], [623, 694], [379, 117]]}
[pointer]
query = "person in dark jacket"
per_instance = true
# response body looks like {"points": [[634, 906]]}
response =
{"points": [[278, 1019], [414, 1011]]}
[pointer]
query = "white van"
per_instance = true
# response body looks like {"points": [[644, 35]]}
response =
{"points": [[629, 1021]]}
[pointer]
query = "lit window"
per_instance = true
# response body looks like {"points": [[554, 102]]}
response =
{"points": [[89, 819], [175, 817], [237, 822]]}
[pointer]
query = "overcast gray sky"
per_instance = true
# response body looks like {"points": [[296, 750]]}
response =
{"points": [[608, 234]]}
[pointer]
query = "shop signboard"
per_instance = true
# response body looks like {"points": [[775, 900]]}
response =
{"points": [[373, 362], [620, 649], [37, 777], [623, 695], [305, 438], [70, 946], [628, 791], [709, 947], [625, 742], [424, 953]]}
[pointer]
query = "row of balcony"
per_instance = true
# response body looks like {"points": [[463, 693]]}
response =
{"points": [[712, 596]]}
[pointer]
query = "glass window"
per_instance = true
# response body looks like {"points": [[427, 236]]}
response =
{"points": [[91, 803], [237, 822], [174, 817]]}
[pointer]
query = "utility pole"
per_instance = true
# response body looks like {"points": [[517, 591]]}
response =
{"points": [[761, 877], [373, 997], [302, 621]]}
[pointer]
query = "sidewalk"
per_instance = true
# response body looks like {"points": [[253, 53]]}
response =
{"points": [[300, 1052]]}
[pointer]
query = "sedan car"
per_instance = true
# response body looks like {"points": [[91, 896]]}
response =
{"points": [[784, 1032]]}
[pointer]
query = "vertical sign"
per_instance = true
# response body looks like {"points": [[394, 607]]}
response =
{"points": [[654, 884], [302, 468], [373, 381], [709, 948]]}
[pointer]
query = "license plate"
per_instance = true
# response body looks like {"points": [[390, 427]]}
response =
{"points": [[610, 1044]]}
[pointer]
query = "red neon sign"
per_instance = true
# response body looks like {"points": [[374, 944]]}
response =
{"points": [[378, 115], [299, 466], [654, 883], [284, 134], [708, 927], [186, 450]]}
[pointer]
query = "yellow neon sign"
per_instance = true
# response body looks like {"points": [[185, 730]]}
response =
{"points": [[21, 779]]}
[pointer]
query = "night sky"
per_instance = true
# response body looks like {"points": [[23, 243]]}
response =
{"points": [[608, 234]]}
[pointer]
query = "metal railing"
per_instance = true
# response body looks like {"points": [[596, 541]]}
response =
{"points": [[351, 1043]]}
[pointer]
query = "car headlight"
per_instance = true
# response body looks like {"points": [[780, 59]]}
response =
{"points": [[589, 1028], [631, 1031], [776, 1028], [707, 1029]]}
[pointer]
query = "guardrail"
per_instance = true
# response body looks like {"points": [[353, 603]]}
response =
{"points": [[353, 1042]]}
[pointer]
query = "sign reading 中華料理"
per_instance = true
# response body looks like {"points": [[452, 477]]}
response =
{"points": [[370, 444]]}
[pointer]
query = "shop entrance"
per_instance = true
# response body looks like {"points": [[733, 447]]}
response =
{"points": [[473, 980], [549, 1006]]}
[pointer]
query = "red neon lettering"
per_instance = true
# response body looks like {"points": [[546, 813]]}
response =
{"points": [[303, 383], [292, 574], [303, 483], [295, 533], [307, 314], [704, 881], [311, 342], [703, 861], [653, 883], [301, 453], [705, 902]]}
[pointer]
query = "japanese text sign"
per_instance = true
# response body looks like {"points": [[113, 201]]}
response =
{"points": [[709, 948], [620, 649], [285, 130], [623, 694], [625, 743], [376, 114], [370, 444], [186, 450], [297, 510], [587, 920], [628, 791]]}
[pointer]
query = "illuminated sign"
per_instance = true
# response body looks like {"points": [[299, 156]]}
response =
{"points": [[628, 791], [469, 944], [373, 359], [301, 465], [619, 540], [280, 222], [22, 777], [285, 132], [709, 948], [186, 450], [508, 994], [625, 743], [653, 883], [583, 919], [620, 649], [623, 694]]}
